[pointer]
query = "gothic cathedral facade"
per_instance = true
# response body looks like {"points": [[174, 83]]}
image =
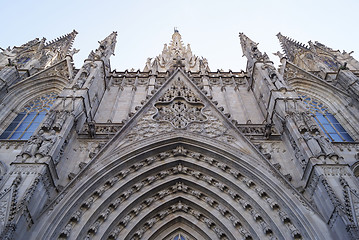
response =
{"points": [[177, 151]]}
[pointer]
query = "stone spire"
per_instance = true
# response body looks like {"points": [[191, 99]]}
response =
{"points": [[106, 48], [174, 55], [290, 46], [250, 50]]}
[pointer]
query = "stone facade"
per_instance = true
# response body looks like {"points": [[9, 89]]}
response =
{"points": [[177, 151]]}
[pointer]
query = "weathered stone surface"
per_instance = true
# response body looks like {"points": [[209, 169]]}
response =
{"points": [[178, 150]]}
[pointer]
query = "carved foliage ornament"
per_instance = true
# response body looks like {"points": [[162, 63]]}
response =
{"points": [[180, 108]]}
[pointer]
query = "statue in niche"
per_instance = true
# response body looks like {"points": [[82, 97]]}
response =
{"points": [[299, 121], [308, 119], [32, 145], [48, 140], [49, 121], [60, 121], [319, 145], [312, 144], [325, 145], [92, 129], [268, 130]]}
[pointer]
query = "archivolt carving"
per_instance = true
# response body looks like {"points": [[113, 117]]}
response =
{"points": [[179, 169]]}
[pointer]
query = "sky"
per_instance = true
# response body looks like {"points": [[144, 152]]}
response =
{"points": [[211, 27]]}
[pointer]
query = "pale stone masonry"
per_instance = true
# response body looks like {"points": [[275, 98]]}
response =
{"points": [[177, 151]]}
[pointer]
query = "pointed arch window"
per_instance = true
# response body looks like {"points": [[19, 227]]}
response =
{"points": [[27, 121], [326, 120]]}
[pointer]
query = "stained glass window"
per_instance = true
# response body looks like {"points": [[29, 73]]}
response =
{"points": [[326, 120], [179, 237], [27, 121]]}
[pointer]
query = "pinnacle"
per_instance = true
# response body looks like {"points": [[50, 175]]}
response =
{"points": [[290, 46]]}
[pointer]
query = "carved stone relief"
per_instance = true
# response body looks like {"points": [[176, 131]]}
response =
{"points": [[180, 108]]}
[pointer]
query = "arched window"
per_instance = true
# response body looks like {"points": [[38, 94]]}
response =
{"points": [[327, 121], [26, 122]]}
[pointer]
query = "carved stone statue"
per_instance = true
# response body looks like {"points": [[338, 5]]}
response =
{"points": [[299, 121], [325, 145], [32, 145], [308, 118], [312, 144], [49, 140], [319, 145], [148, 64], [60, 121], [92, 129], [49, 121]]}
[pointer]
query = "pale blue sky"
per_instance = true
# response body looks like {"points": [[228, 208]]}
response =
{"points": [[211, 27]]}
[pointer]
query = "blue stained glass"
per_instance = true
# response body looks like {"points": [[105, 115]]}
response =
{"points": [[39, 118], [16, 135], [26, 122], [347, 137], [329, 128], [30, 117], [19, 117], [22, 126], [331, 118], [32, 127], [179, 237], [336, 138], [5, 134], [339, 128], [321, 118], [327, 121], [26, 135]]}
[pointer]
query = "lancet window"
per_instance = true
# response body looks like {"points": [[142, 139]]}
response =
{"points": [[27, 121], [326, 120]]}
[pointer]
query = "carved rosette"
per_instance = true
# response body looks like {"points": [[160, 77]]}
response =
{"points": [[179, 106]]}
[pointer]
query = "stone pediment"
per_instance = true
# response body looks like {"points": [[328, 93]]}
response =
{"points": [[179, 107]]}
